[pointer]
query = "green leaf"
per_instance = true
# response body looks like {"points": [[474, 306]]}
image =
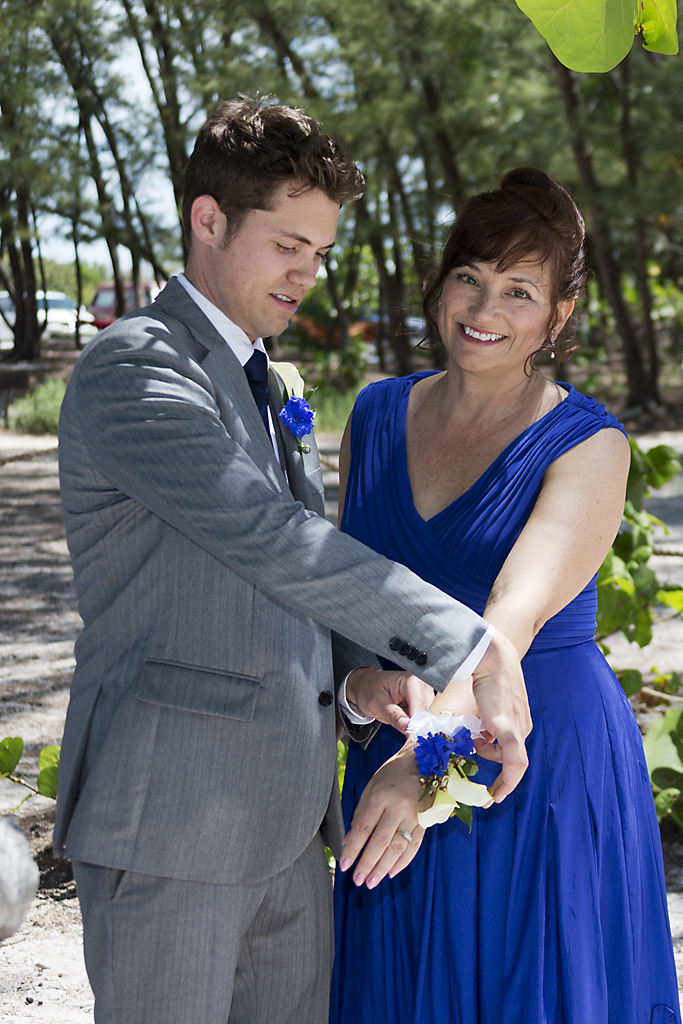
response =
{"points": [[677, 741], [631, 681], [47, 782], [585, 35], [671, 598], [11, 749], [664, 802], [49, 757], [667, 778], [464, 812], [656, 23], [642, 633], [660, 751]]}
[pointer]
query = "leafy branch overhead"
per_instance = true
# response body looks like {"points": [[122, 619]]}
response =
{"points": [[596, 35]]}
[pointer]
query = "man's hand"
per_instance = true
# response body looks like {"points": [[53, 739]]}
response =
{"points": [[389, 697], [498, 686], [388, 803]]}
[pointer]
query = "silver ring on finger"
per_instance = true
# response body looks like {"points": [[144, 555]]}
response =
{"points": [[405, 833]]}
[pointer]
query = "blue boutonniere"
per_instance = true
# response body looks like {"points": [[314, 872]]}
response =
{"points": [[298, 417]]}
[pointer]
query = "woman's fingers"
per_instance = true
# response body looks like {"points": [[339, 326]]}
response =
{"points": [[385, 848], [409, 852], [388, 803]]}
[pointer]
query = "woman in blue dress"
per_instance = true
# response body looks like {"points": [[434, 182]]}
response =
{"points": [[505, 490]]}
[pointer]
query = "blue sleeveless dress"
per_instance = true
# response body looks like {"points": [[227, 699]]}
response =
{"points": [[553, 909]]}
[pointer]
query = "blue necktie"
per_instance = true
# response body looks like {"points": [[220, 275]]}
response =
{"points": [[256, 369]]}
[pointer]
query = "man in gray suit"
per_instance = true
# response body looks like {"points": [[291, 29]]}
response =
{"points": [[198, 768]]}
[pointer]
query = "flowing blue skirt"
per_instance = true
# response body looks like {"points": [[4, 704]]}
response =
{"points": [[551, 911]]}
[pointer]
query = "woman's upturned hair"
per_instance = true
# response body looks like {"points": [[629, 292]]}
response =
{"points": [[530, 216], [249, 147]]}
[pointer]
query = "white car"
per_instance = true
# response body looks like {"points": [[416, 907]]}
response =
{"points": [[62, 313]]}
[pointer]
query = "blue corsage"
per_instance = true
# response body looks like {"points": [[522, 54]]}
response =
{"points": [[298, 417], [444, 752]]}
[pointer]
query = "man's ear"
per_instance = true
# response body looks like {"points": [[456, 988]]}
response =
{"points": [[208, 221]]}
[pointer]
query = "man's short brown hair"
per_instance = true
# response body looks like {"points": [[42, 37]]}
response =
{"points": [[249, 147]]}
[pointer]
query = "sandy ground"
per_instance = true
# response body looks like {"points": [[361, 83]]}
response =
{"points": [[42, 975]]}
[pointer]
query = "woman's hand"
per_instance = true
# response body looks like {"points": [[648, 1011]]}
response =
{"points": [[389, 803]]}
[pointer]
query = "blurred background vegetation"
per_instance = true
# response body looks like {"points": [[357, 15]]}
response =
{"points": [[100, 101]]}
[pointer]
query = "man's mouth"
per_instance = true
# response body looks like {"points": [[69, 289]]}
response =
{"points": [[281, 297], [483, 336]]}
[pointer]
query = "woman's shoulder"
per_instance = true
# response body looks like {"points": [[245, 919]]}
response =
{"points": [[387, 392], [589, 408]]}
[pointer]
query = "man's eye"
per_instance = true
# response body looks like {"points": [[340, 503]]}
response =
{"points": [[285, 248]]}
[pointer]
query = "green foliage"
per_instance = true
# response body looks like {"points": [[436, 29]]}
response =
{"points": [[342, 754], [48, 762], [38, 412], [596, 35], [61, 277], [333, 408], [631, 681], [11, 750], [339, 370], [628, 589], [663, 752]]}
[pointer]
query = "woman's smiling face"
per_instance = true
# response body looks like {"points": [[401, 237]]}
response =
{"points": [[491, 319]]}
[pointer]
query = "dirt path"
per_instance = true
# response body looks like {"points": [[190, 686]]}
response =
{"points": [[42, 976]]}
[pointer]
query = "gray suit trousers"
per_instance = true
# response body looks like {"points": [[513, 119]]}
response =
{"points": [[163, 951]]}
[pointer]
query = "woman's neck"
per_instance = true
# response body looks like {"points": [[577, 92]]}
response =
{"points": [[491, 399]]}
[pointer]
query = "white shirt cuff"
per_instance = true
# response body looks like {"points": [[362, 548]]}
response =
{"points": [[354, 717], [474, 657]]}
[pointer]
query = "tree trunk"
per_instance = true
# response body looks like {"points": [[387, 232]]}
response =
{"points": [[639, 384], [631, 160]]}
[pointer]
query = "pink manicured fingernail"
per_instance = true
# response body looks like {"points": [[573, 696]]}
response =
{"points": [[345, 863], [372, 882], [359, 878]]}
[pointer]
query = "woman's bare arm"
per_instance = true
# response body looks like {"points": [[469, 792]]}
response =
{"points": [[566, 538]]}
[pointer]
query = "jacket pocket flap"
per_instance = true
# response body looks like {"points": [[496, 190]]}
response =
{"points": [[204, 691]]}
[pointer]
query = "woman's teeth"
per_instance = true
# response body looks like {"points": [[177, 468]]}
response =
{"points": [[480, 336]]}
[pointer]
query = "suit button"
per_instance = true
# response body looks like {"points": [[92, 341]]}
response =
{"points": [[404, 649], [421, 659], [395, 643], [413, 653], [326, 698]]}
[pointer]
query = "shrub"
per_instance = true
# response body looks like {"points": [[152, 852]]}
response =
{"points": [[38, 412]]}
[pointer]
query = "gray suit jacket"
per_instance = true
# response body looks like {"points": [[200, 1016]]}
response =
{"points": [[200, 740]]}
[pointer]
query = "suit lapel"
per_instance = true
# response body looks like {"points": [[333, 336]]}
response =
{"points": [[238, 409]]}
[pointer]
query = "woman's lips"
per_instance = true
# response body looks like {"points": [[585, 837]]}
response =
{"points": [[481, 337]]}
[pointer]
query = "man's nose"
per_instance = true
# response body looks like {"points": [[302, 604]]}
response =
{"points": [[305, 273]]}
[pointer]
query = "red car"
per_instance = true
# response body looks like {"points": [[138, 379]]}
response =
{"points": [[103, 305]]}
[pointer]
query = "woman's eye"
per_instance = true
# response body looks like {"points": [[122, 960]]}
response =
{"points": [[467, 279], [519, 293], [284, 248]]}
